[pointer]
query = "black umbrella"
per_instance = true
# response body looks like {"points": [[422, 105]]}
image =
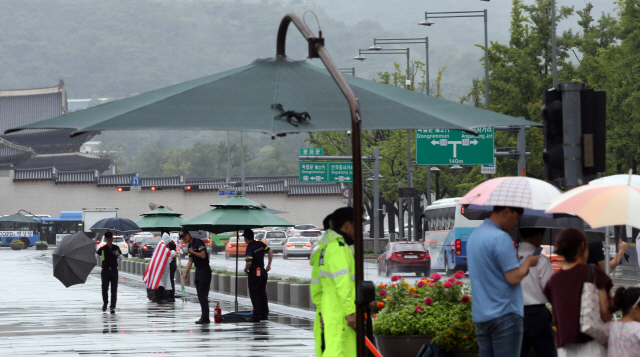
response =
{"points": [[115, 224], [74, 259]]}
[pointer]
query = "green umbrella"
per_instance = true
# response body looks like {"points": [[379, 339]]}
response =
{"points": [[18, 218], [161, 219], [234, 214], [241, 99]]}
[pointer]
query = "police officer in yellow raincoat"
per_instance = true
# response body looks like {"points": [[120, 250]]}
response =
{"points": [[335, 267]]}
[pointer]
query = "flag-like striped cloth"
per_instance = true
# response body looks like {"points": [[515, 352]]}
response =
{"points": [[154, 271]]}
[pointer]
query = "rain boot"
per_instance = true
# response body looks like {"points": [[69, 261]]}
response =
{"points": [[170, 296], [160, 295]]}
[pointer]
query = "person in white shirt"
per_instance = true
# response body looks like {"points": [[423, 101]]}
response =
{"points": [[537, 318]]}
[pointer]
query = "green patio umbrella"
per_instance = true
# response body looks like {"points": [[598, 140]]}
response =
{"points": [[234, 214], [248, 98], [161, 219], [18, 218]]}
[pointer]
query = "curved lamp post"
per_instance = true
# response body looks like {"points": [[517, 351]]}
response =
{"points": [[447, 14]]}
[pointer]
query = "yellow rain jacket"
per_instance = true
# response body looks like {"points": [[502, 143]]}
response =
{"points": [[337, 281], [316, 297]]}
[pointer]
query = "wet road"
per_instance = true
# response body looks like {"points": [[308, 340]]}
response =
{"points": [[39, 316], [300, 268]]}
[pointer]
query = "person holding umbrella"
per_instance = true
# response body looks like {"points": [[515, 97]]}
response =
{"points": [[109, 254], [199, 257]]}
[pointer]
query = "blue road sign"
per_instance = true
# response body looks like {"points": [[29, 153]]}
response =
{"points": [[135, 181], [226, 193]]}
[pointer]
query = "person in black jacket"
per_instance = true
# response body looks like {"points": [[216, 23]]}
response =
{"points": [[199, 257], [109, 255], [173, 266]]}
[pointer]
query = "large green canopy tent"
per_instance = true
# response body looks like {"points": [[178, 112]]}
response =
{"points": [[161, 219], [277, 96], [234, 214]]}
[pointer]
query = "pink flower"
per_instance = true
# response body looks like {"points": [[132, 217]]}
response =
{"points": [[465, 299], [416, 295], [459, 275], [458, 282], [396, 278], [420, 283], [447, 285], [436, 276], [418, 308], [452, 279], [460, 272], [383, 292], [410, 293], [428, 301]]}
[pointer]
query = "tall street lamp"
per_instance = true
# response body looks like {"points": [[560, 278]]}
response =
{"points": [[405, 41], [447, 14], [392, 51]]}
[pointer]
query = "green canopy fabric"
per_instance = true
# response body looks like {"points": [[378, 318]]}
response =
{"points": [[18, 218], [219, 220], [241, 100], [161, 219], [238, 201], [162, 223]]}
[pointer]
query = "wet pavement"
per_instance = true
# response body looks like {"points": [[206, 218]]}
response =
{"points": [[39, 316]]}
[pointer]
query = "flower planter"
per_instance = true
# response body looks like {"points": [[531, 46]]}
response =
{"points": [[17, 246], [401, 346], [41, 247], [462, 353]]}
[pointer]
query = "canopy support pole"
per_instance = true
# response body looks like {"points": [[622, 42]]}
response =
{"points": [[317, 50], [237, 244]]}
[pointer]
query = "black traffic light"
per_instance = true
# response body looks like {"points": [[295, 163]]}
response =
{"points": [[593, 112], [553, 154], [190, 188], [123, 188], [156, 188]]}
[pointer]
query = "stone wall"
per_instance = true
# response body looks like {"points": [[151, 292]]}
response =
{"points": [[47, 197]]}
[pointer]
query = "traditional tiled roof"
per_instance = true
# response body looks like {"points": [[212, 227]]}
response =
{"points": [[116, 180], [13, 154], [87, 176], [20, 107], [67, 162], [34, 174], [314, 189]]}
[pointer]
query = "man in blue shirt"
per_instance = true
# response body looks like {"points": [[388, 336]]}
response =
{"points": [[495, 276]]}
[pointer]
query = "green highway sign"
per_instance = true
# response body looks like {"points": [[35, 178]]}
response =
{"points": [[454, 147], [321, 171], [341, 171], [313, 171], [311, 152]]}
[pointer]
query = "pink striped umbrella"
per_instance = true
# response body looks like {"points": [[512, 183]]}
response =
{"points": [[601, 205], [512, 191]]}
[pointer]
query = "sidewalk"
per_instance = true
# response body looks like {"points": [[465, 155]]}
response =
{"points": [[39, 316]]}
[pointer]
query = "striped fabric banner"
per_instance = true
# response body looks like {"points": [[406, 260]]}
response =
{"points": [[154, 271]]}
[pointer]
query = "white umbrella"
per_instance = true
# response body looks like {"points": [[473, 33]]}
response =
{"points": [[618, 180]]}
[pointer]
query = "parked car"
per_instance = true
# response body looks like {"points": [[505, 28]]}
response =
{"points": [[299, 227], [275, 240], [557, 261], [231, 250], [404, 257], [119, 241], [297, 247], [135, 245], [148, 245], [312, 234]]}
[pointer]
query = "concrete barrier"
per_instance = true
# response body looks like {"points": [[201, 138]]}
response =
{"points": [[192, 278], [214, 282], [243, 289], [138, 268], [284, 291], [299, 295], [272, 290], [224, 283]]}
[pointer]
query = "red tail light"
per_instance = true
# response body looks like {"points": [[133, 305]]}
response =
{"points": [[458, 247], [289, 245], [264, 241], [395, 255], [308, 245], [144, 247], [136, 245], [125, 245], [423, 255]]}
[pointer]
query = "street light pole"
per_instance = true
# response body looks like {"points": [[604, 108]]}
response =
{"points": [[553, 43], [449, 14], [406, 41]]}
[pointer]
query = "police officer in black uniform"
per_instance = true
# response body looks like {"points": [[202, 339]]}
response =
{"points": [[199, 257], [109, 254], [255, 269]]}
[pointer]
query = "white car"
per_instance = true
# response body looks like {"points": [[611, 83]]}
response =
{"points": [[119, 241], [299, 228], [297, 247]]}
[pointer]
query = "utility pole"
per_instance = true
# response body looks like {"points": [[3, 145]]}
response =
{"points": [[349, 185], [409, 184], [376, 201], [400, 214], [242, 164]]}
